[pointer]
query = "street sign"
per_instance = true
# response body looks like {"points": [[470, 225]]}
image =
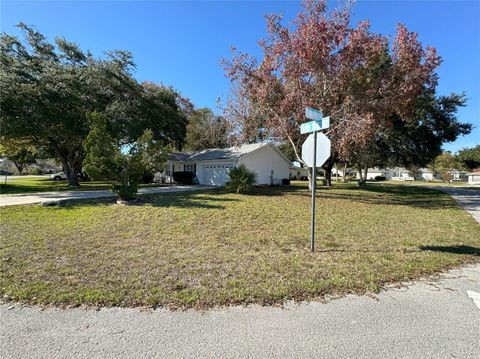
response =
{"points": [[322, 152], [314, 126], [313, 114], [315, 151]]}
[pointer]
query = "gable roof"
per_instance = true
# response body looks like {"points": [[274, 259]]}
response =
{"points": [[229, 153]]}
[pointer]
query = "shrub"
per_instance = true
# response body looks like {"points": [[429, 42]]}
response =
{"points": [[147, 177], [241, 179], [285, 182], [33, 171], [380, 178], [125, 190], [183, 177]]}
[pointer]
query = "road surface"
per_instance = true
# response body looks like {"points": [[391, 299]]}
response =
{"points": [[469, 199], [426, 319]]}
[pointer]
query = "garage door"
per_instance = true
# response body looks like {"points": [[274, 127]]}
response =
{"points": [[216, 175]]}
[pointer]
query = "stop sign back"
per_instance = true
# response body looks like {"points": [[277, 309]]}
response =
{"points": [[323, 149]]}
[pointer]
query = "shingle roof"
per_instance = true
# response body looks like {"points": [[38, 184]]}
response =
{"points": [[216, 153]]}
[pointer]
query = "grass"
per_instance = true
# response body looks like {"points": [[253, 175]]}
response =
{"points": [[434, 184], [204, 249], [43, 184]]}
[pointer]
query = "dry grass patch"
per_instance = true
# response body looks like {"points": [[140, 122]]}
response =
{"points": [[213, 248]]}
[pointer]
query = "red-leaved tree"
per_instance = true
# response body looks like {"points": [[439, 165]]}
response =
{"points": [[351, 74]]}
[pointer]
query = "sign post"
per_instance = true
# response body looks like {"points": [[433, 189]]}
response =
{"points": [[312, 153], [314, 187]]}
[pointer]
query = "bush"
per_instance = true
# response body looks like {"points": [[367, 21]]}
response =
{"points": [[125, 190], [285, 182], [183, 177], [241, 179], [380, 178]]}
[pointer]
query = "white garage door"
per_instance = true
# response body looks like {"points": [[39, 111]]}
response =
{"points": [[216, 175]]}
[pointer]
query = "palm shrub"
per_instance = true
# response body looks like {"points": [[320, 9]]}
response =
{"points": [[241, 179]]}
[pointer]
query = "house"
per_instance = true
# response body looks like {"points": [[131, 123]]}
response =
{"points": [[474, 177], [211, 166], [458, 176], [297, 171], [372, 173]]}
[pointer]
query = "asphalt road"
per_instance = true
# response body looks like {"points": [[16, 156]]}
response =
{"points": [[41, 197], [426, 319], [469, 199]]}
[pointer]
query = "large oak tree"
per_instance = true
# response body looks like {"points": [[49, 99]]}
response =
{"points": [[48, 88]]}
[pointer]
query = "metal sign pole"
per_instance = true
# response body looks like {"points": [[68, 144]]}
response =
{"points": [[314, 186]]}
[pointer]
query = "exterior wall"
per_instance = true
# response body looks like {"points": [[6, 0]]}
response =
{"points": [[267, 163], [474, 179], [297, 172], [371, 174]]}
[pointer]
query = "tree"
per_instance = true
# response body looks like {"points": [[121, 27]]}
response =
{"points": [[444, 164], [319, 61], [48, 88], [153, 155], [101, 149], [415, 143], [205, 130], [20, 153], [470, 157], [241, 179]]}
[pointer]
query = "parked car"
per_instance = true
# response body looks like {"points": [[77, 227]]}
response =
{"points": [[5, 173], [58, 176]]}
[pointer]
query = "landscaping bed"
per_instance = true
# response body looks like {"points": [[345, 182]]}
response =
{"points": [[204, 249]]}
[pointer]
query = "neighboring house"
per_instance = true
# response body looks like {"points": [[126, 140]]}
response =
{"points": [[425, 174], [211, 166], [458, 176], [372, 173], [474, 177], [297, 171]]}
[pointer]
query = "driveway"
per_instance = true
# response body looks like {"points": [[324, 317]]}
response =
{"points": [[425, 319], [40, 197], [467, 198]]}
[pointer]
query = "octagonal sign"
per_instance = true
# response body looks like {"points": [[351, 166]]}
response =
{"points": [[323, 149]]}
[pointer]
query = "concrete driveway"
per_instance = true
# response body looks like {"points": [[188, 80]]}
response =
{"points": [[40, 197], [426, 319]]}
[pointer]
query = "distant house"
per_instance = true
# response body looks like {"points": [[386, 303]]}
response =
{"points": [[458, 176], [474, 177], [297, 171], [211, 166], [399, 174]]}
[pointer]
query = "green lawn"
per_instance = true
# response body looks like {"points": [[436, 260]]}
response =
{"points": [[203, 249], [42, 184]]}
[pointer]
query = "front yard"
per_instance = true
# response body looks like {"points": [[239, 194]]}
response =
{"points": [[203, 249]]}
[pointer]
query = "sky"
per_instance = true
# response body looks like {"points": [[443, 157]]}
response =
{"points": [[181, 43]]}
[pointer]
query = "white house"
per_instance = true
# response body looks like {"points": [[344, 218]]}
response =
{"points": [[474, 177], [211, 166], [297, 171]]}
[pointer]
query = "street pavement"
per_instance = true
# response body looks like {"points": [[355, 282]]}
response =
{"points": [[41, 197], [469, 199], [425, 319]]}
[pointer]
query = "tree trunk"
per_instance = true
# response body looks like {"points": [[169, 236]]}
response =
{"points": [[336, 173], [365, 173], [345, 172], [19, 167], [360, 173], [327, 167], [71, 163]]}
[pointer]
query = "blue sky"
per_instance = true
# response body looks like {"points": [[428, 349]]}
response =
{"points": [[181, 43]]}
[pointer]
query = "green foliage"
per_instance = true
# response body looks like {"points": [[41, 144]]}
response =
{"points": [[48, 87], [100, 148], [21, 153], [205, 130], [125, 190], [443, 165], [470, 157], [153, 154], [241, 179]]}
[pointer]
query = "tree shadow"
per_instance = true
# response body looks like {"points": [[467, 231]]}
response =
{"points": [[187, 199], [461, 249]]}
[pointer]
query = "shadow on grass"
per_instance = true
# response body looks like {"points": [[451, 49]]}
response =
{"points": [[187, 199], [453, 249], [388, 195]]}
